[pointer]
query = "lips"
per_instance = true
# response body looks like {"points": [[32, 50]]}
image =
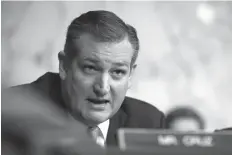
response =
{"points": [[98, 101]]}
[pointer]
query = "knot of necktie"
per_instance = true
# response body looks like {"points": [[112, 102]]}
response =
{"points": [[97, 135]]}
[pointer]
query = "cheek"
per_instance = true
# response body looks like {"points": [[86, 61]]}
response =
{"points": [[119, 90], [79, 89], [123, 84], [79, 86], [81, 82]]}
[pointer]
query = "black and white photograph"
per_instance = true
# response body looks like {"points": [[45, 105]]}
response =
{"points": [[116, 77]]}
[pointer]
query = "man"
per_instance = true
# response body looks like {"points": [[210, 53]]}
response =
{"points": [[184, 119], [95, 72]]}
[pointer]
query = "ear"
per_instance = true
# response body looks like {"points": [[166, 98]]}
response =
{"points": [[131, 75], [62, 70]]}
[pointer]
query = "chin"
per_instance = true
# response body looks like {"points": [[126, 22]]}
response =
{"points": [[98, 117]]}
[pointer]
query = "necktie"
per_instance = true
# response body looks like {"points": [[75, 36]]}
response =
{"points": [[97, 135]]}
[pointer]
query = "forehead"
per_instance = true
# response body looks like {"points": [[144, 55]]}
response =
{"points": [[89, 48]]}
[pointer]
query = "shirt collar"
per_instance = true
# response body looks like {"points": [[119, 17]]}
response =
{"points": [[104, 126]]}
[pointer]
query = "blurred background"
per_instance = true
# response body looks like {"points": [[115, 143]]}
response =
{"points": [[185, 57]]}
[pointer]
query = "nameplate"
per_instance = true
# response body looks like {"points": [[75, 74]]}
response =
{"points": [[153, 139]]}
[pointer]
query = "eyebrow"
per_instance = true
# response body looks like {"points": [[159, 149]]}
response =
{"points": [[122, 63], [91, 60]]}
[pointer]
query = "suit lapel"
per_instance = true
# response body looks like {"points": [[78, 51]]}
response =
{"points": [[116, 122]]}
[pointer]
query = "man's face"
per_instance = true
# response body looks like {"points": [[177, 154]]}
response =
{"points": [[185, 124], [98, 78]]}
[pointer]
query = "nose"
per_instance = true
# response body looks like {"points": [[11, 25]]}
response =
{"points": [[102, 85]]}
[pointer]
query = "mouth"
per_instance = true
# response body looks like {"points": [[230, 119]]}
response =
{"points": [[98, 101], [98, 104]]}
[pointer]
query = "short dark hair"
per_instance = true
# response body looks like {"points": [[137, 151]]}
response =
{"points": [[104, 26], [183, 112]]}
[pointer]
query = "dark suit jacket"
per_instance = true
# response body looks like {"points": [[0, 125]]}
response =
{"points": [[132, 114]]}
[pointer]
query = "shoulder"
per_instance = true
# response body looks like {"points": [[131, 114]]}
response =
{"points": [[40, 84], [132, 105], [30, 98], [143, 114]]}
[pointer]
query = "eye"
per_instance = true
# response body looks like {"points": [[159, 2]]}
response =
{"points": [[118, 73], [89, 68]]}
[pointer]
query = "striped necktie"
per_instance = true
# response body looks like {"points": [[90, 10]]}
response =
{"points": [[97, 135]]}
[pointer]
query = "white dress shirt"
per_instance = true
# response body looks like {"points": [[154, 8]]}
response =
{"points": [[104, 126]]}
